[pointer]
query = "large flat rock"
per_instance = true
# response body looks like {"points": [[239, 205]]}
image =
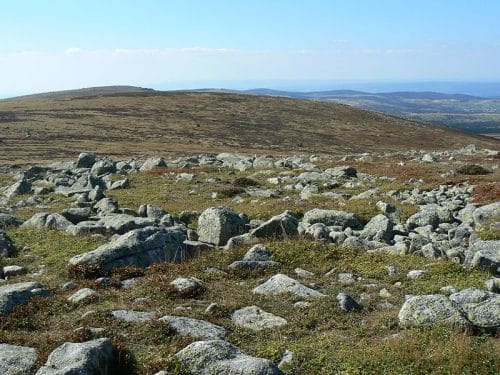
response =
{"points": [[140, 248]]}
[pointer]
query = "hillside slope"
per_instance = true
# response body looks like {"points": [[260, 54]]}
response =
{"points": [[458, 111], [42, 128]]}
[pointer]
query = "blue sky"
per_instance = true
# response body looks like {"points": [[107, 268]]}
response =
{"points": [[61, 44]]}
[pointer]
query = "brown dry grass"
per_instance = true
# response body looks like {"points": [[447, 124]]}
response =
{"points": [[155, 123]]}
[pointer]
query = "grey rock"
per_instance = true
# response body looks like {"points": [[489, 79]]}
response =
{"points": [[280, 284], [106, 206], [120, 184], [18, 188], [47, 221], [14, 270], [493, 285], [484, 255], [85, 160], [345, 278], [194, 327], [123, 223], [318, 232], [102, 167], [153, 163], [379, 227], [429, 310], [86, 358], [16, 360], [487, 213], [432, 250], [236, 161], [7, 220], [246, 239], [258, 252], [70, 285], [140, 247], [216, 225], [187, 285], [84, 295], [87, 228], [415, 274], [428, 158], [486, 314], [342, 171], [303, 273], [422, 218], [286, 360], [481, 307], [279, 226], [254, 318], [151, 211], [76, 215], [6, 247], [254, 264], [332, 217], [220, 357], [134, 316], [347, 303], [12, 295]]}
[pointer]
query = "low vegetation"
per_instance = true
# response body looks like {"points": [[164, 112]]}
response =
{"points": [[325, 339]]}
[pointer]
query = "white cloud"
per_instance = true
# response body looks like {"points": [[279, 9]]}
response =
{"points": [[72, 50]]}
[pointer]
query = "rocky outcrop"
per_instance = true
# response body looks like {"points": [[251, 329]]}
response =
{"points": [[140, 247]]}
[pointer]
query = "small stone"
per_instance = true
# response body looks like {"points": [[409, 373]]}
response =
{"points": [[212, 308], [10, 271], [254, 318], [85, 295], [187, 285], [280, 283], [345, 278], [194, 327], [384, 293], [303, 273], [129, 283], [302, 304], [447, 290], [134, 316], [391, 270], [286, 360], [102, 281], [347, 303], [70, 285], [415, 274]]}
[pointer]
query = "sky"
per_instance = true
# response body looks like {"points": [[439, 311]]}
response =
{"points": [[48, 45]]}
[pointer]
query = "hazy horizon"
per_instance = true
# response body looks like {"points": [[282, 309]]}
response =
{"points": [[484, 89]]}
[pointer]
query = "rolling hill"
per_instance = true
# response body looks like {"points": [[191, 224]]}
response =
{"points": [[458, 111], [127, 121]]}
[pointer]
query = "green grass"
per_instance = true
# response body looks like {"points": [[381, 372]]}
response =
{"points": [[325, 339]]}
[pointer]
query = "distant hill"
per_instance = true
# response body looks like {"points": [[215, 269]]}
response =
{"points": [[125, 122], [89, 91], [459, 111]]}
